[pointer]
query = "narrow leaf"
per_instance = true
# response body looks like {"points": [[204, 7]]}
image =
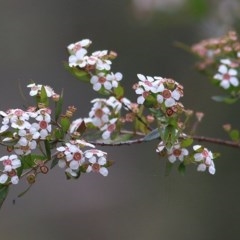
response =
{"points": [[154, 134]]}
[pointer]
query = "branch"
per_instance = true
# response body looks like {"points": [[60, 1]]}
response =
{"points": [[197, 138]]}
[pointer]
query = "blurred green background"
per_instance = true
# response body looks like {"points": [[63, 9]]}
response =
{"points": [[136, 201]]}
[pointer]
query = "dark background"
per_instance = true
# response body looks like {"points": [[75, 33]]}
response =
{"points": [[136, 200]]}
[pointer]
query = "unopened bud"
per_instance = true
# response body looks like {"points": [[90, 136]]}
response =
{"points": [[31, 178], [199, 116], [44, 169], [227, 127], [55, 97]]}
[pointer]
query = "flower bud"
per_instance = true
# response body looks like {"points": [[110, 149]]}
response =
{"points": [[31, 178]]}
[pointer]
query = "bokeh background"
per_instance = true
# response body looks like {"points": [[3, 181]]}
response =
{"points": [[137, 200]]}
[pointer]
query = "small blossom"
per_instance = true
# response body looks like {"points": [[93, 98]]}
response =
{"points": [[100, 112], [176, 152], [74, 47], [205, 159], [36, 89], [108, 128], [226, 75], [97, 161]]}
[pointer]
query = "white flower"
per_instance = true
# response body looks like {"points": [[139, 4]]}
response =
{"points": [[10, 162], [73, 156], [99, 81], [36, 89], [226, 75], [205, 159], [108, 128], [168, 97], [43, 125], [78, 59], [100, 112], [97, 160], [74, 47], [176, 152], [102, 63]]}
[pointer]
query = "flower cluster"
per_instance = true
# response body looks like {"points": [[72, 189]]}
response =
{"points": [[163, 93], [200, 156], [75, 161], [220, 59], [11, 164], [98, 65], [204, 158]]}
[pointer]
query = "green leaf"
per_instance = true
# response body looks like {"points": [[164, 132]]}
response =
{"points": [[169, 136], [65, 124], [186, 142], [225, 99], [25, 191], [78, 73], [3, 193], [150, 102], [48, 149], [234, 135], [29, 161], [154, 134], [58, 108], [54, 162], [44, 97], [182, 168], [122, 138], [119, 91], [168, 168]]}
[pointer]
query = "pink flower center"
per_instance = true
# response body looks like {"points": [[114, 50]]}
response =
{"points": [[166, 93], [43, 124], [145, 94], [7, 162], [177, 152], [102, 80], [98, 113], [95, 167], [111, 127], [226, 76], [77, 156], [148, 83], [18, 113], [205, 153], [76, 47]]}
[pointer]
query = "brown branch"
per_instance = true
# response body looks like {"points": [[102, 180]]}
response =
{"points": [[196, 138]]}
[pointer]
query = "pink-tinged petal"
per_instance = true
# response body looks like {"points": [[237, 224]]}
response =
{"points": [[223, 69], [226, 61], [107, 85], [176, 95], [140, 100], [74, 165], [62, 163], [225, 84], [92, 160], [141, 77], [139, 91], [234, 81], [97, 86], [3, 178], [106, 135], [172, 158], [169, 102], [103, 171], [94, 79], [15, 180], [198, 157], [212, 170], [232, 72], [102, 161], [201, 167]]}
